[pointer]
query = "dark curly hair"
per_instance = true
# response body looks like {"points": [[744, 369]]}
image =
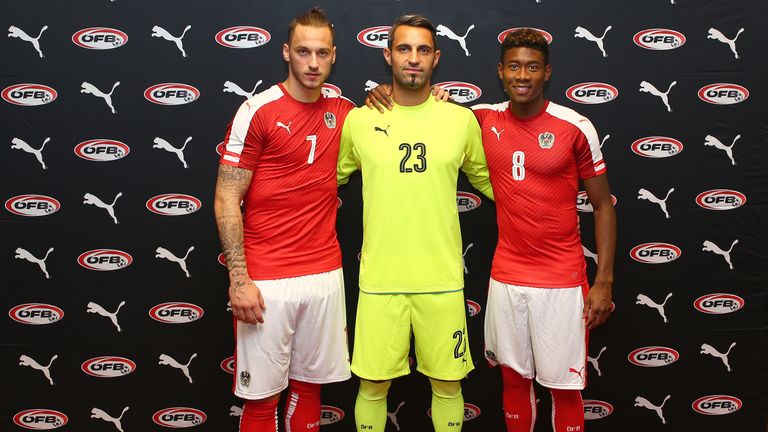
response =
{"points": [[526, 38]]}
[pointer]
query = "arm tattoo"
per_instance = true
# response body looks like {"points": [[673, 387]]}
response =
{"points": [[231, 185]]}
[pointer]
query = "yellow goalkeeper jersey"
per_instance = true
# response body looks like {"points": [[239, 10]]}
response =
{"points": [[410, 159]]}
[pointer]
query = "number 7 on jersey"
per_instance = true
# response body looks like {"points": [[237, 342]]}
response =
{"points": [[312, 139]]}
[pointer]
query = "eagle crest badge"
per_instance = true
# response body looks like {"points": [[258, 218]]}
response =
{"points": [[546, 140]]}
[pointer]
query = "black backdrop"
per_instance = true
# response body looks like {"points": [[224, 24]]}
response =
{"points": [[164, 316]]}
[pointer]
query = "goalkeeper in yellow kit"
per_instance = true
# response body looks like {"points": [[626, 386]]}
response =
{"points": [[411, 273]]}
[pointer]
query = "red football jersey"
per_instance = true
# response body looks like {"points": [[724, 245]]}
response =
{"points": [[290, 207], [535, 166]]}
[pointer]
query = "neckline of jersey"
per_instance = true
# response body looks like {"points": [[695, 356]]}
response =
{"points": [[531, 118], [296, 101], [413, 107]]}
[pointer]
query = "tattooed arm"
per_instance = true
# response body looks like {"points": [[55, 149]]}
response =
{"points": [[244, 295]]}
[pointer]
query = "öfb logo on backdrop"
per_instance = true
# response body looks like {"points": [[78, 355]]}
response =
{"points": [[108, 366], [102, 150], [40, 419], [173, 204], [99, 38], [330, 415], [36, 313], [171, 94], [330, 90], [721, 199], [659, 39], [179, 417], [596, 409], [546, 34], [718, 303], [32, 205], [228, 365], [467, 201], [655, 253], [657, 147], [374, 37], [241, 37], [461, 92], [592, 93], [176, 313], [653, 356], [716, 405], [473, 308], [583, 204], [105, 259], [723, 94], [29, 94]]}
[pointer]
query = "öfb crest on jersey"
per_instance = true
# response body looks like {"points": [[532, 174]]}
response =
{"points": [[546, 140], [330, 120]]}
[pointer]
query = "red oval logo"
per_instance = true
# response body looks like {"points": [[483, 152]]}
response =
{"points": [[99, 38], [32, 205], [176, 313], [659, 39], [29, 94], [718, 303], [544, 33], [331, 91], [467, 201], [221, 148], [653, 356], [657, 147], [241, 37], [102, 150], [473, 308], [655, 253], [221, 259], [173, 204], [596, 409], [723, 94], [36, 313], [461, 92], [171, 94], [179, 417], [40, 419], [105, 259], [721, 199], [374, 37], [583, 204], [108, 367], [228, 365], [330, 415], [716, 405], [591, 93]]}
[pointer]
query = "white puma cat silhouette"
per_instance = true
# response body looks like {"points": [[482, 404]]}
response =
{"points": [[581, 32], [99, 414], [166, 254], [645, 194], [284, 126], [25, 360], [709, 140], [110, 208], [25, 254], [236, 411], [589, 254], [711, 247], [91, 89], [392, 416], [497, 132], [160, 32], [469, 246], [605, 138], [97, 309], [445, 31], [646, 87], [19, 144], [646, 301], [167, 360], [709, 349], [645, 403], [15, 32], [717, 35], [370, 85], [593, 361], [165, 145], [230, 87]]}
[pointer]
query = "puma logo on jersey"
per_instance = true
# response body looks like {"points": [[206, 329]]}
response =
{"points": [[284, 126], [720, 37], [384, 131], [497, 132], [577, 372]]}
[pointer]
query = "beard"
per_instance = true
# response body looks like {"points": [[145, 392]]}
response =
{"points": [[413, 82]]}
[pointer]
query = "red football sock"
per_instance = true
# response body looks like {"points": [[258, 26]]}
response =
{"points": [[259, 415], [302, 409], [567, 411], [519, 401]]}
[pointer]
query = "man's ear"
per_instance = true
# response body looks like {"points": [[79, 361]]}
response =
{"points": [[287, 50], [388, 56]]}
